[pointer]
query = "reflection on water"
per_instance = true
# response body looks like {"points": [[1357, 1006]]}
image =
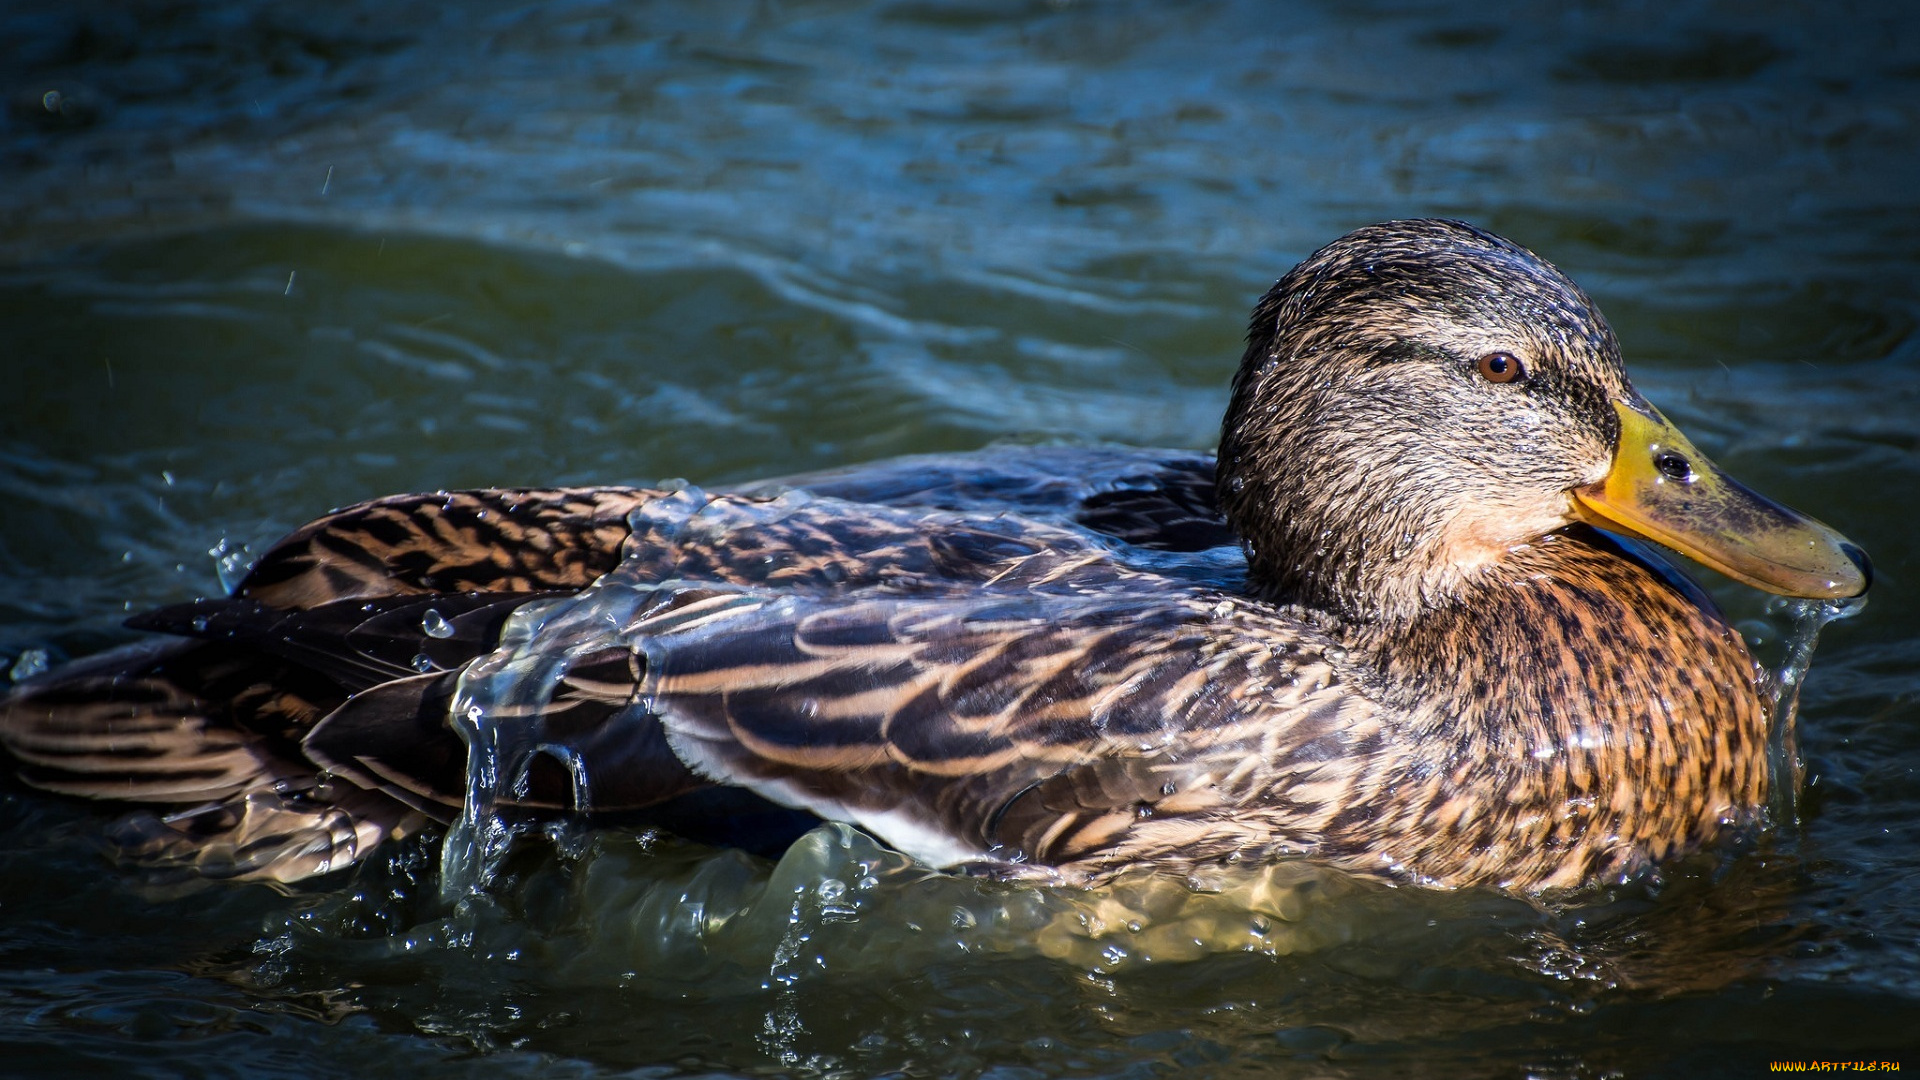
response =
{"points": [[260, 260]]}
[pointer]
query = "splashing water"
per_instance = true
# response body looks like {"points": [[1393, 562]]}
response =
{"points": [[502, 700], [1782, 696], [839, 903], [499, 709]]}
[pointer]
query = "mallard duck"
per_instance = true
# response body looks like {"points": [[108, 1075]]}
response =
{"points": [[1405, 623]]}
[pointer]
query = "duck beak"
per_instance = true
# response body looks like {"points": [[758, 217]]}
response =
{"points": [[1662, 489]]}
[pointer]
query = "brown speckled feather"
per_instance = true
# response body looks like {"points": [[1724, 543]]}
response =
{"points": [[514, 541], [958, 729], [1151, 722], [316, 661]]}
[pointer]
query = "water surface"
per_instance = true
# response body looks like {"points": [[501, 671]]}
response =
{"points": [[259, 261]]}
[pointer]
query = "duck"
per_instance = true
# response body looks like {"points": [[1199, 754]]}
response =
{"points": [[1412, 620]]}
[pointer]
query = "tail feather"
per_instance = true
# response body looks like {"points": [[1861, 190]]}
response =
{"points": [[120, 726], [282, 745], [200, 731]]}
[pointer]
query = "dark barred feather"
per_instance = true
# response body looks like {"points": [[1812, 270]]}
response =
{"points": [[306, 718]]}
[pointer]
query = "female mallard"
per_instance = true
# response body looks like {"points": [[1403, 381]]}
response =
{"points": [[1431, 665]]}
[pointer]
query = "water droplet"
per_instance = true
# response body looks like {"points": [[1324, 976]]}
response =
{"points": [[229, 563], [1169, 788], [30, 663], [423, 663], [1237, 484], [435, 625], [200, 623], [963, 919], [830, 889]]}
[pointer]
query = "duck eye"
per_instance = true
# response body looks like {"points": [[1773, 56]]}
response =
{"points": [[1500, 367]]}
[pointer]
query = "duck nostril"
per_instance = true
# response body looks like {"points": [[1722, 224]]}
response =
{"points": [[1673, 466]]}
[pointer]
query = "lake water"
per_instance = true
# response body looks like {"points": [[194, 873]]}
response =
{"points": [[260, 260]]}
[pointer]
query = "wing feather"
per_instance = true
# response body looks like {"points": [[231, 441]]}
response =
{"points": [[504, 540], [1020, 727], [964, 667]]}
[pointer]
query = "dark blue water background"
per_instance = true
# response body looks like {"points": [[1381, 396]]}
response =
{"points": [[260, 260]]}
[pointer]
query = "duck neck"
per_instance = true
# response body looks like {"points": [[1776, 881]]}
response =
{"points": [[1386, 574], [1613, 708]]}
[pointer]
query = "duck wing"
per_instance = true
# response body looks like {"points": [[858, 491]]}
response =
{"points": [[493, 540], [357, 644], [1074, 731], [351, 606], [335, 655], [283, 744], [395, 663], [537, 539], [1159, 499]]}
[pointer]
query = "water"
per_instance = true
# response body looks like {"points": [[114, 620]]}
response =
{"points": [[1782, 697], [260, 262]]}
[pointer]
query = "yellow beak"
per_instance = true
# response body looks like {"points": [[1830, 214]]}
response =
{"points": [[1661, 489]]}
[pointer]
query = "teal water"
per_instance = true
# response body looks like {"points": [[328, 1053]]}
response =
{"points": [[257, 262]]}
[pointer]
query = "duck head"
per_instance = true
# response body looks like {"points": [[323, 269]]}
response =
{"points": [[1420, 398]]}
